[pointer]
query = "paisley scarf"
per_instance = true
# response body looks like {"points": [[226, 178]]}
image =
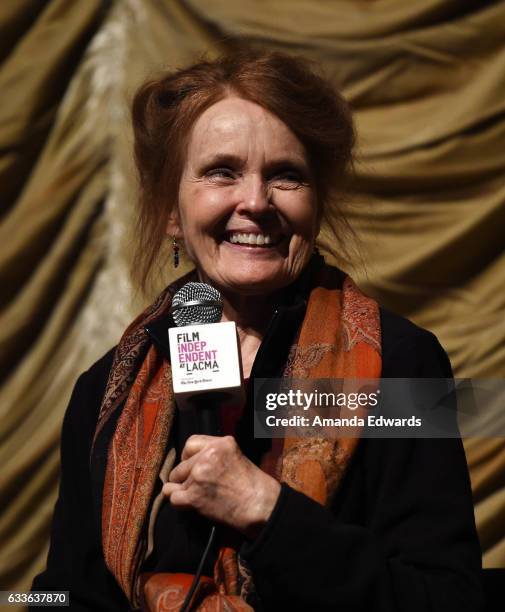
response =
{"points": [[348, 345]]}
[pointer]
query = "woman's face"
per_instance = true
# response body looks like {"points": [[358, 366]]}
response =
{"points": [[247, 209]]}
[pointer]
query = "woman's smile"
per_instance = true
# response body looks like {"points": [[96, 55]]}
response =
{"points": [[251, 239]]}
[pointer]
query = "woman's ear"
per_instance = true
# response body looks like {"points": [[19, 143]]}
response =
{"points": [[173, 228]]}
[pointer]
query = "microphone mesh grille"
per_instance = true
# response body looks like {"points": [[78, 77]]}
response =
{"points": [[199, 313]]}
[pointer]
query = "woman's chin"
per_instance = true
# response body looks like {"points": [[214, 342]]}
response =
{"points": [[253, 285]]}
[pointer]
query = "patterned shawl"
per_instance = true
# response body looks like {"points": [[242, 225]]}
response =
{"points": [[346, 346]]}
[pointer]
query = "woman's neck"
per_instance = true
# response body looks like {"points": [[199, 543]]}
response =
{"points": [[252, 315]]}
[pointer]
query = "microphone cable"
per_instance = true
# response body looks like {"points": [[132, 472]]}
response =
{"points": [[187, 601]]}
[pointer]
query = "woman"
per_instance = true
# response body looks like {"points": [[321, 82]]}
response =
{"points": [[238, 160]]}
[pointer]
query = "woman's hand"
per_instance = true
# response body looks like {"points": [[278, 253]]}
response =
{"points": [[219, 482]]}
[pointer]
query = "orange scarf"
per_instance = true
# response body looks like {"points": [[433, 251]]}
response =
{"points": [[346, 346]]}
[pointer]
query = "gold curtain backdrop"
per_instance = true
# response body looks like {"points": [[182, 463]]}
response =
{"points": [[426, 79]]}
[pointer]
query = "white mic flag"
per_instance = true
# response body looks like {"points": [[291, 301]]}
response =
{"points": [[204, 353]]}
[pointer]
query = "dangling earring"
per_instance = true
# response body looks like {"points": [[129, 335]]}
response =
{"points": [[175, 249]]}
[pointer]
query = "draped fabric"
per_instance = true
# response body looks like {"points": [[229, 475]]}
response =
{"points": [[426, 79]]}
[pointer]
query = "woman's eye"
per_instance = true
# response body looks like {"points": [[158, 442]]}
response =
{"points": [[220, 173], [287, 180]]}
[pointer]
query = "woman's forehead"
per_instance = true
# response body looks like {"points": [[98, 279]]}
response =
{"points": [[237, 127]]}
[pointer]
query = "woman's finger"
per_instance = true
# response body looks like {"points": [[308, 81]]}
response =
{"points": [[169, 487], [177, 495], [181, 472], [194, 444]]}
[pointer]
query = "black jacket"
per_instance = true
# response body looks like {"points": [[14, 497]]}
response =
{"points": [[400, 535]]}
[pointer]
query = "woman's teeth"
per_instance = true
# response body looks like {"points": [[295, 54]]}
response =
{"points": [[251, 239]]}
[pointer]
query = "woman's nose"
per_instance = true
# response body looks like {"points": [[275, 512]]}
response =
{"points": [[255, 196]]}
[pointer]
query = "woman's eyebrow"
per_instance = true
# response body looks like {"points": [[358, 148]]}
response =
{"points": [[221, 159], [288, 163]]}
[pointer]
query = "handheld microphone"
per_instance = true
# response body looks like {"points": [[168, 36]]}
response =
{"points": [[206, 371]]}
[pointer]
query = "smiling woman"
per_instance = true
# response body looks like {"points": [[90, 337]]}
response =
{"points": [[275, 102], [239, 159], [247, 206]]}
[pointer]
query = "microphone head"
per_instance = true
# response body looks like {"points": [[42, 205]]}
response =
{"points": [[196, 304]]}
